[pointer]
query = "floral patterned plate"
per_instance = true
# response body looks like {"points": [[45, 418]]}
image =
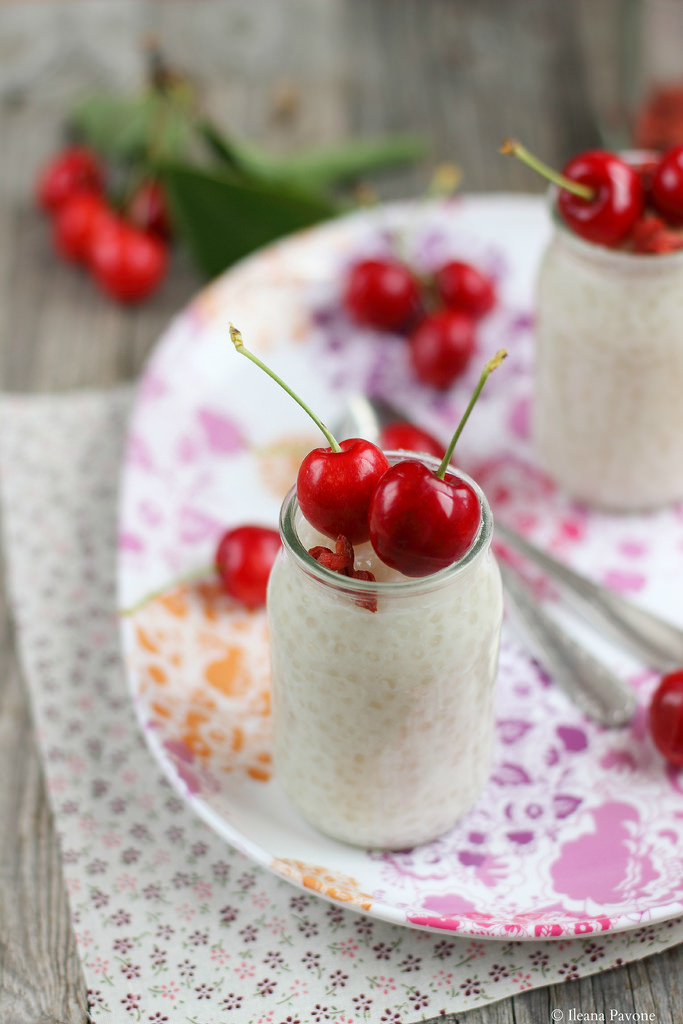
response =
{"points": [[580, 828]]}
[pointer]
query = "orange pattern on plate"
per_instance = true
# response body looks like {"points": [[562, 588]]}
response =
{"points": [[339, 887], [203, 678]]}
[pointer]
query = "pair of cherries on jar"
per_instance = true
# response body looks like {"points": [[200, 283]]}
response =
{"points": [[602, 197], [418, 521]]}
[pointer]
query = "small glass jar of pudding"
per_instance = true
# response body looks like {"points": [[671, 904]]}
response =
{"points": [[607, 415], [383, 693]]}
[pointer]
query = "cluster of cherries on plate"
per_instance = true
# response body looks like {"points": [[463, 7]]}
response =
{"points": [[605, 199], [125, 252], [418, 520], [439, 314]]}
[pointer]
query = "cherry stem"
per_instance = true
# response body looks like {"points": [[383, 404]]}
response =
{"points": [[492, 365], [239, 345], [511, 147]]}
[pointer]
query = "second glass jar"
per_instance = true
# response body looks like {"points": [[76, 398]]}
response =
{"points": [[608, 389]]}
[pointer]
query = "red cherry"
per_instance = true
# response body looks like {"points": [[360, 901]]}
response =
{"points": [[148, 210], [600, 196], [441, 346], [382, 294], [404, 436], [127, 263], [646, 171], [244, 558], [75, 224], [666, 717], [651, 235], [334, 488], [667, 185], [76, 169], [462, 286], [420, 523], [617, 200], [334, 485]]}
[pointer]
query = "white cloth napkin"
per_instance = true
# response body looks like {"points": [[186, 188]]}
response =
{"points": [[172, 923]]}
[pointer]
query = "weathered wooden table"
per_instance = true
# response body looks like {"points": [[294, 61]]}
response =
{"points": [[464, 76]]}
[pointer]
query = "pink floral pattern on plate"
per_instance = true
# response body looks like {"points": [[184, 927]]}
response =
{"points": [[580, 828]]}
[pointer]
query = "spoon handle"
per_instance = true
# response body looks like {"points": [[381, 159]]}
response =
{"points": [[590, 684], [656, 642]]}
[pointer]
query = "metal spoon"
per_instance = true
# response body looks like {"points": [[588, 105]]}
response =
{"points": [[588, 682], [655, 642]]}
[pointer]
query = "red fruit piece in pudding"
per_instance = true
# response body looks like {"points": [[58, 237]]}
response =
{"points": [[340, 560], [652, 235]]}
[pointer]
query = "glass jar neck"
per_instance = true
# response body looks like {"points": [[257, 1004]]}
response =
{"points": [[403, 586]]}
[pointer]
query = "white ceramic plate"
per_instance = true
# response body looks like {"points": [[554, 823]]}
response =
{"points": [[580, 828]]}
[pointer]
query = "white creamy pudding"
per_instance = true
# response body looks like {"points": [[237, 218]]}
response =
{"points": [[608, 390], [383, 720]]}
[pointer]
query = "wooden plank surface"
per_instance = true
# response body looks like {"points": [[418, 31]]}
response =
{"points": [[464, 76]]}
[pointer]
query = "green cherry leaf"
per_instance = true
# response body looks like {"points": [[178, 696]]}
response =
{"points": [[223, 218]]}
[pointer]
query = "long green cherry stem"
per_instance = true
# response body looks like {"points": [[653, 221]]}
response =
{"points": [[492, 365], [512, 147], [239, 345]]}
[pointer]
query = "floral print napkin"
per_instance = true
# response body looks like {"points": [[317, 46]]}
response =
{"points": [[171, 923]]}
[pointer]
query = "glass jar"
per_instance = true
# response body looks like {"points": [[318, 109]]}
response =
{"points": [[607, 415], [383, 719]]}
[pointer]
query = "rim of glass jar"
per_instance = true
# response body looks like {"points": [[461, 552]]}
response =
{"points": [[648, 262], [381, 588]]}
